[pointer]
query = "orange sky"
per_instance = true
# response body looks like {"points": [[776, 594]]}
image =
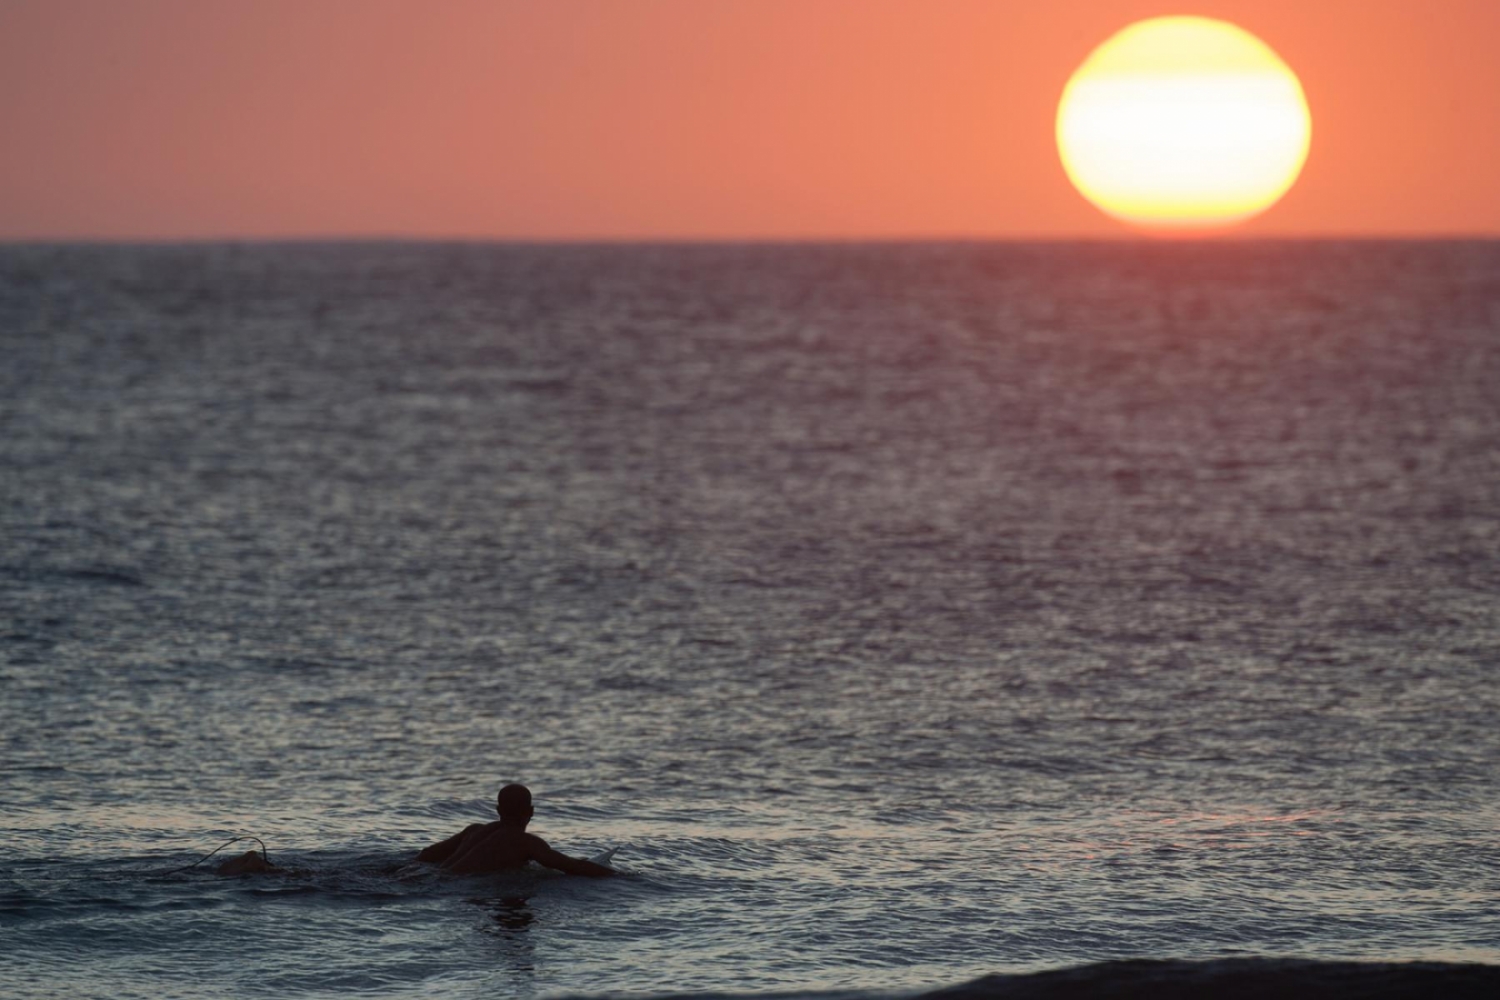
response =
{"points": [[566, 119]]}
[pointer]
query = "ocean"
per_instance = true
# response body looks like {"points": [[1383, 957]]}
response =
{"points": [[900, 614]]}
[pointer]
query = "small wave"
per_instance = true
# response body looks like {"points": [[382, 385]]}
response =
{"points": [[1233, 979], [1221, 979]]}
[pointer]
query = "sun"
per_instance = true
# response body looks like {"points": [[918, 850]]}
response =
{"points": [[1183, 124]]}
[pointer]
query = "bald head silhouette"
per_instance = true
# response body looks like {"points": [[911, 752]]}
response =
{"points": [[514, 805]]}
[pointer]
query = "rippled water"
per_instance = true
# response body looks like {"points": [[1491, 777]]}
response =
{"points": [[902, 613]]}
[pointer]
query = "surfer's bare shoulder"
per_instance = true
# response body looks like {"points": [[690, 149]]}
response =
{"points": [[444, 849]]}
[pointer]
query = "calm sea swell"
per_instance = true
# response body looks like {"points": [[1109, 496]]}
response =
{"points": [[905, 614]]}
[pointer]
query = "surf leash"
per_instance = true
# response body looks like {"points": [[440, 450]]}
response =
{"points": [[233, 840]]}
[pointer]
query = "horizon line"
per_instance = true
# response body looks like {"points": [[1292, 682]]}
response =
{"points": [[686, 241]]}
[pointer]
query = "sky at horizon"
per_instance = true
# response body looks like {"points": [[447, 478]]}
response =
{"points": [[683, 119]]}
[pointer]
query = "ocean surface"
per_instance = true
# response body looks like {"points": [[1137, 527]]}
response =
{"points": [[902, 614]]}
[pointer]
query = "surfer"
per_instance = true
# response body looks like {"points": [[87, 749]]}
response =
{"points": [[505, 846]]}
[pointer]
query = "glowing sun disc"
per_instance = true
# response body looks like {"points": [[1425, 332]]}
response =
{"points": [[1183, 123]]}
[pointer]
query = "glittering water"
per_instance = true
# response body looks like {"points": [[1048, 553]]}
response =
{"points": [[902, 613]]}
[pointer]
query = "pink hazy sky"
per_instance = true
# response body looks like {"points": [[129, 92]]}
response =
{"points": [[683, 119]]}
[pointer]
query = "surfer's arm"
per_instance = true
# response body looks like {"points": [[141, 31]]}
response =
{"points": [[443, 849], [547, 857]]}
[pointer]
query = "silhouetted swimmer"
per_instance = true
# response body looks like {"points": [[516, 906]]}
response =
{"points": [[505, 846]]}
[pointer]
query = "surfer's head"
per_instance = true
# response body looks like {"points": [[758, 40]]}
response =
{"points": [[514, 805]]}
